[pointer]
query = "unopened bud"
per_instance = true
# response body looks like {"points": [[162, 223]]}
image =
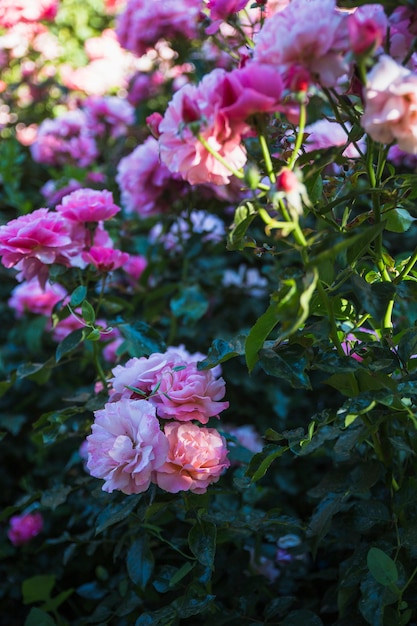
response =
{"points": [[287, 181], [153, 122]]}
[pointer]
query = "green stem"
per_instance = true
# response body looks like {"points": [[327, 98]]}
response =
{"points": [[407, 269], [267, 158], [97, 363], [219, 158], [300, 136], [333, 332]]}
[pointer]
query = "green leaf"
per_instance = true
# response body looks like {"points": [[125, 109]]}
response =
{"points": [[116, 512], [70, 343], [262, 460], [191, 304], [140, 562], [78, 295], [37, 617], [373, 298], [244, 216], [142, 339], [407, 346], [361, 241], [37, 588], [259, 332], [181, 573], [202, 542], [52, 498], [221, 351], [302, 617], [398, 220], [382, 567], [89, 315], [285, 365]]}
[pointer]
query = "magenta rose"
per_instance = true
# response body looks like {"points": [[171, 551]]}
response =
{"points": [[24, 527], [197, 457], [88, 205]]}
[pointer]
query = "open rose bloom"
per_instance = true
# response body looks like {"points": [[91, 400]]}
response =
{"points": [[128, 447], [391, 105]]}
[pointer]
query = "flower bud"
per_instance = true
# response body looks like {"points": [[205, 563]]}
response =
{"points": [[153, 122]]}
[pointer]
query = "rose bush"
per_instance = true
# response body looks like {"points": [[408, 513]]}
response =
{"points": [[208, 313]]}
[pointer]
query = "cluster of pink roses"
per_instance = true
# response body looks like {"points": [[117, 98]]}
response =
{"points": [[127, 447], [72, 137], [73, 235]]}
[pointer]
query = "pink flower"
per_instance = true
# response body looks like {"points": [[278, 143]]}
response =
{"points": [[247, 437], [142, 24], [14, 11], [311, 34], [33, 241], [24, 527], [29, 296], [391, 105], [180, 148], [126, 446], [173, 384], [65, 140], [186, 394], [352, 342], [146, 185], [108, 115], [88, 205], [367, 27], [105, 259], [134, 266], [325, 134], [197, 457], [222, 9]]}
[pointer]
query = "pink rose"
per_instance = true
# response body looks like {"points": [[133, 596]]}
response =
{"points": [[367, 27], [391, 105], [182, 151], [147, 187], [309, 34], [105, 259], [29, 296], [14, 11], [196, 458], [142, 24], [222, 9], [126, 446], [186, 394], [24, 527], [108, 115], [88, 205], [33, 241]]}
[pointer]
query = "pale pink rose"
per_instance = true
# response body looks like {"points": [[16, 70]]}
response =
{"points": [[24, 527], [186, 394], [88, 205], [197, 457], [105, 259], [126, 446], [311, 34], [142, 24], [173, 384], [139, 373], [33, 241], [14, 11], [65, 140], [326, 134], [26, 135], [30, 297], [147, 187], [367, 27], [390, 97], [110, 350], [182, 151], [248, 437], [95, 79]]}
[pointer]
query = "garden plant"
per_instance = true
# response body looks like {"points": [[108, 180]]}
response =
{"points": [[208, 262]]}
